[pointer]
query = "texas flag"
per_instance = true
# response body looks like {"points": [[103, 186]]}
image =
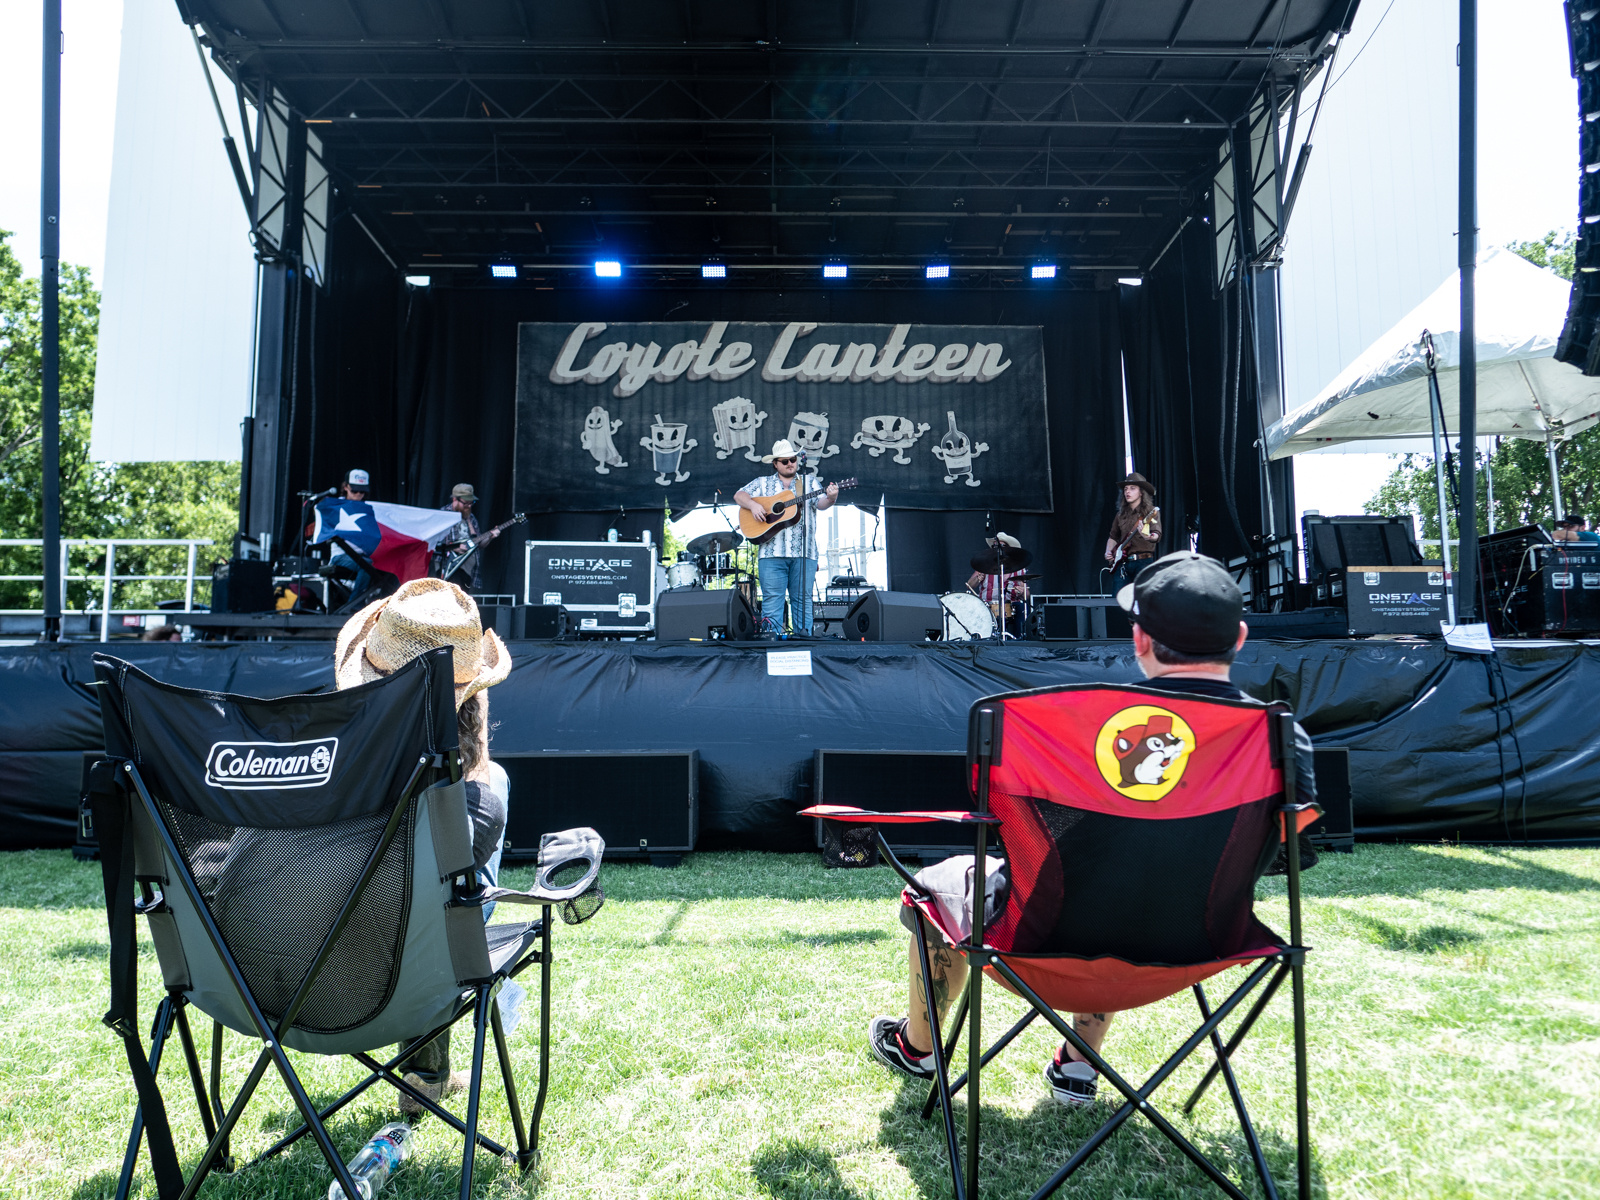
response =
{"points": [[396, 537]]}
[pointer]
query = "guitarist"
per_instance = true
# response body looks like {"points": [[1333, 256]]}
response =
{"points": [[465, 533], [788, 560], [1135, 530]]}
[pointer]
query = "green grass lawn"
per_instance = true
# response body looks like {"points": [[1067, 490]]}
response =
{"points": [[709, 1041]]}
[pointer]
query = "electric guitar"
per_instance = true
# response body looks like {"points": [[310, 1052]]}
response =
{"points": [[785, 509], [454, 562]]}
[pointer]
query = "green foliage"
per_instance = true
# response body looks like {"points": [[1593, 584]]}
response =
{"points": [[131, 500], [1521, 472], [1554, 251]]}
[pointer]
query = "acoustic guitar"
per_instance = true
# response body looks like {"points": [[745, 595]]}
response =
{"points": [[785, 508]]}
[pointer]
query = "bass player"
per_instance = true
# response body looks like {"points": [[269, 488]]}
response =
{"points": [[789, 559]]}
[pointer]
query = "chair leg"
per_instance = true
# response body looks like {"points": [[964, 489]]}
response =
{"points": [[941, 1073], [1256, 1010], [1245, 1124], [544, 1028], [974, 1063], [1010, 1035], [214, 1147], [949, 1049], [161, 1028], [225, 1160], [1302, 1085], [480, 1026], [525, 1152], [196, 1078]]}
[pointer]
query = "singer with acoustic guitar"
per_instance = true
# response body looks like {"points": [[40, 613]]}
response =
{"points": [[1135, 531], [789, 557]]}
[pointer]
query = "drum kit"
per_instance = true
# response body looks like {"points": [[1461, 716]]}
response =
{"points": [[707, 557], [967, 617]]}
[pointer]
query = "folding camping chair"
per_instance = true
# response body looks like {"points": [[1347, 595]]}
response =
{"points": [[306, 868], [1135, 822]]}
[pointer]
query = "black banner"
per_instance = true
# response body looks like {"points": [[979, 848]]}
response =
{"points": [[634, 415]]}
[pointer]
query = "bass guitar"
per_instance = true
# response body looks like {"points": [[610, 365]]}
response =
{"points": [[454, 562], [785, 510]]}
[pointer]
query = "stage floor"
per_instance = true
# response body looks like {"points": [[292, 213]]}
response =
{"points": [[1442, 744]]}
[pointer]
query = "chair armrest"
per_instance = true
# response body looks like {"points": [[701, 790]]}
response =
{"points": [[862, 816], [1304, 815]]}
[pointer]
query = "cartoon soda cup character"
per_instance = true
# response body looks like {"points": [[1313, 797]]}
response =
{"points": [[667, 447]]}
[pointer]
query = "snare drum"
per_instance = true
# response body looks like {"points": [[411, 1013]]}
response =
{"points": [[684, 574], [965, 617], [1000, 610]]}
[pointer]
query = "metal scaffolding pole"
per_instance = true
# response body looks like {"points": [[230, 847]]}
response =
{"points": [[50, 317], [1467, 250]]}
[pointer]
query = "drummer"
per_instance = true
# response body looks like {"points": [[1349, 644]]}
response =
{"points": [[986, 586]]}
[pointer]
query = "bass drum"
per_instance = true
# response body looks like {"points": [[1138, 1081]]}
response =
{"points": [[966, 617], [683, 574]]}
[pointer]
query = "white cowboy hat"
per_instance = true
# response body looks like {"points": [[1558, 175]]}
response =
{"points": [[781, 449], [423, 615], [1006, 538]]}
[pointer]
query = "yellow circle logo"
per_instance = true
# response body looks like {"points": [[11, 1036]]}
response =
{"points": [[1142, 751]]}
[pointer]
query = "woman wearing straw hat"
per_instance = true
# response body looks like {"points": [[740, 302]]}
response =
{"points": [[424, 615]]}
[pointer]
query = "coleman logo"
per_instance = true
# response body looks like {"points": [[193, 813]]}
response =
{"points": [[1142, 751], [245, 765]]}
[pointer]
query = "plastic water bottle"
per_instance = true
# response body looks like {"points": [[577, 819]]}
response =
{"points": [[378, 1158]]}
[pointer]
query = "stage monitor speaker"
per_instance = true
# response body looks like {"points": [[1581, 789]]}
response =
{"points": [[896, 780], [242, 585], [1308, 623], [704, 615], [644, 803], [1082, 619], [526, 622], [1336, 827], [1333, 543], [895, 617]]}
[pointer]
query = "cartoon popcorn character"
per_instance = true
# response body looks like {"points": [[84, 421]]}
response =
{"points": [[737, 421]]}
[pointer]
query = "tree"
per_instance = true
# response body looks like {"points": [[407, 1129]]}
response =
{"points": [[132, 500], [1520, 470]]}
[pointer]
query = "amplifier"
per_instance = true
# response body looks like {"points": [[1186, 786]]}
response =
{"points": [[645, 803], [1335, 829], [1537, 588], [827, 617], [895, 617], [1395, 600], [1080, 618], [1324, 622], [241, 585], [704, 615], [896, 780], [523, 622]]}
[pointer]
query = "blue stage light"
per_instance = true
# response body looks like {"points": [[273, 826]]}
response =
{"points": [[1131, 281], [713, 270], [607, 268], [503, 270], [835, 270], [1043, 271], [940, 271], [419, 280]]}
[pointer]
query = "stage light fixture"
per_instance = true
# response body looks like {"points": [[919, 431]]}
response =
{"points": [[938, 271], [835, 270], [715, 269], [502, 270], [1132, 280], [607, 268], [1042, 270], [419, 280]]}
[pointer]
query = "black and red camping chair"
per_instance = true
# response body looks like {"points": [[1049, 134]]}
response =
{"points": [[1134, 823]]}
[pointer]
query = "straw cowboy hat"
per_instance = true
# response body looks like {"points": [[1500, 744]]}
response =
{"points": [[781, 449], [1005, 538], [423, 615]]}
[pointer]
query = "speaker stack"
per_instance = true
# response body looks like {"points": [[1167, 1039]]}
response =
{"points": [[1578, 343], [644, 803]]}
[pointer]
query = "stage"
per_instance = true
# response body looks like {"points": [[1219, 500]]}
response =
{"points": [[1436, 752]]}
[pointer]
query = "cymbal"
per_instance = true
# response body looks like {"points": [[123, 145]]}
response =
{"points": [[715, 543], [1028, 576], [1000, 558]]}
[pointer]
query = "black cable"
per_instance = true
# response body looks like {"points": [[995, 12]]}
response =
{"points": [[1188, 368], [1516, 741], [1499, 745]]}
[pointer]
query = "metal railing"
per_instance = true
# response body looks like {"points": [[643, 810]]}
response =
{"points": [[108, 579]]}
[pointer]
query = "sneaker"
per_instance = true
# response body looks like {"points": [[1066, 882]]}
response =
{"points": [[457, 1082], [886, 1039], [1071, 1083]]}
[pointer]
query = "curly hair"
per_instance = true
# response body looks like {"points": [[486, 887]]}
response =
{"points": [[472, 721]]}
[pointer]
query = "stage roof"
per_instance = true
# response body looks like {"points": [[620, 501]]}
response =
{"points": [[886, 134]]}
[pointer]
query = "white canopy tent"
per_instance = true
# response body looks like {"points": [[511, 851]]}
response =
{"points": [[1522, 391]]}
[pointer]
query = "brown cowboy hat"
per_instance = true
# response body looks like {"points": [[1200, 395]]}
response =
{"points": [[423, 615], [1136, 478]]}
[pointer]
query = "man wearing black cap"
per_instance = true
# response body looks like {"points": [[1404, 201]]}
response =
{"points": [[1188, 624], [1135, 530], [1574, 528]]}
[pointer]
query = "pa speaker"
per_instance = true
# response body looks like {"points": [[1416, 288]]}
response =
{"points": [[704, 615], [895, 617], [1336, 827], [645, 803], [242, 585], [894, 781]]}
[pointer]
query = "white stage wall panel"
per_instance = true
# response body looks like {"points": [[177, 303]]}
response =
{"points": [[172, 378]]}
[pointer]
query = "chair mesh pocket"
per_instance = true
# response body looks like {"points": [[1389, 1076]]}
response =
{"points": [[275, 894], [849, 845], [583, 906]]}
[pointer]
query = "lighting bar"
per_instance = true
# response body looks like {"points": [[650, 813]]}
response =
{"points": [[938, 271], [1131, 281], [835, 270], [503, 270], [421, 280], [607, 268], [1042, 271], [713, 270]]}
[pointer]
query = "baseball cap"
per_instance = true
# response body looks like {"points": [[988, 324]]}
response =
{"points": [[1186, 601], [357, 478], [463, 491]]}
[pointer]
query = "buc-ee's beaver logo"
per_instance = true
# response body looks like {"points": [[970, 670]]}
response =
{"points": [[1143, 750]]}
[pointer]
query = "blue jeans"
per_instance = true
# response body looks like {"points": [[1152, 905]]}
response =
{"points": [[792, 576], [359, 585]]}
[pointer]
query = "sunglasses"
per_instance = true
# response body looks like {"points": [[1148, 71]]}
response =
{"points": [[782, 461]]}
